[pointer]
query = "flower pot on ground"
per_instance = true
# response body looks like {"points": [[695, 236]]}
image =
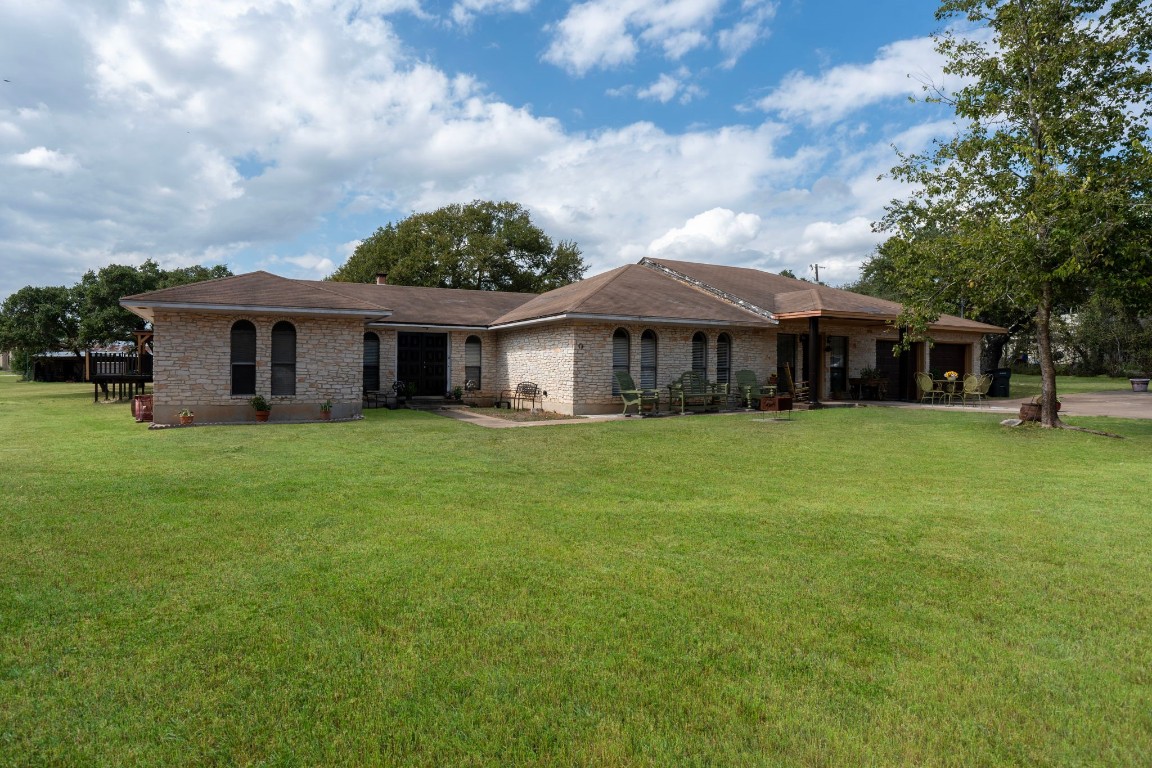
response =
{"points": [[326, 410], [1139, 385], [186, 417], [262, 407], [1031, 411]]}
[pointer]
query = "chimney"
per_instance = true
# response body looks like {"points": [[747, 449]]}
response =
{"points": [[381, 278]]}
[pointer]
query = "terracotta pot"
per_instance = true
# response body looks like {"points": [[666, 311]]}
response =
{"points": [[186, 420], [263, 415], [325, 415]]}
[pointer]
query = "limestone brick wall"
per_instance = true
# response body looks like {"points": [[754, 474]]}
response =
{"points": [[589, 345], [192, 367], [488, 359], [543, 354]]}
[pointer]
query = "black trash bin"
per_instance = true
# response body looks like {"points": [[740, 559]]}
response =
{"points": [[1000, 382]]}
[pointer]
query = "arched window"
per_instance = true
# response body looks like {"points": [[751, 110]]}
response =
{"points": [[283, 359], [371, 362], [648, 360], [700, 354], [724, 359], [621, 352], [243, 358], [472, 350]]}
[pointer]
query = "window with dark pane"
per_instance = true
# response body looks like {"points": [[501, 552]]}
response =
{"points": [[283, 359], [621, 352], [243, 358], [724, 359], [648, 360], [371, 362], [472, 361], [700, 354]]}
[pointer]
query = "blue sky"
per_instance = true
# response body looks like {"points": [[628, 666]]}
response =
{"points": [[274, 134]]}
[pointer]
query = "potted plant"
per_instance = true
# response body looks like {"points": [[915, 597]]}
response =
{"points": [[326, 410], [400, 390], [458, 394], [262, 407], [1030, 411], [186, 417]]}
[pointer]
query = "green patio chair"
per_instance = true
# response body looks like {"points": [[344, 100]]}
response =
{"points": [[928, 389], [975, 388], [748, 388], [633, 395]]}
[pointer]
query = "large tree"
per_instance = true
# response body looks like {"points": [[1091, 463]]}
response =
{"points": [[35, 320], [483, 246], [98, 294], [1042, 197]]}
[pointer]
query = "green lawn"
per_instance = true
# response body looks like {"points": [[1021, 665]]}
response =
{"points": [[855, 587]]}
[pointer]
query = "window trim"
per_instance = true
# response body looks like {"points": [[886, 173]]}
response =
{"points": [[649, 373], [475, 372], [279, 367], [626, 338], [246, 364]]}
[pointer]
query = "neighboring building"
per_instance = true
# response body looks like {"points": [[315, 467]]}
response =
{"points": [[302, 342]]}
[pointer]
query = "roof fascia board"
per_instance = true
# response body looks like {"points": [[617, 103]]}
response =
{"points": [[438, 326], [886, 320], [724, 296], [257, 309]]}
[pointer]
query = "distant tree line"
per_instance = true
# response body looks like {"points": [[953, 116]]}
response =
{"points": [[35, 320]]}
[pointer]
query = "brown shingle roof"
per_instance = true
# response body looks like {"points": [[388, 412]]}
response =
{"points": [[253, 292], [434, 306], [656, 290], [632, 292], [788, 298]]}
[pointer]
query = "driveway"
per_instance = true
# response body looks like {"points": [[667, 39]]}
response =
{"points": [[1124, 404]]}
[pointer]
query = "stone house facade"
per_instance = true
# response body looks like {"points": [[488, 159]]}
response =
{"points": [[301, 343]]}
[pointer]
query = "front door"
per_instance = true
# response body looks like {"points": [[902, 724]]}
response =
{"points": [[422, 363]]}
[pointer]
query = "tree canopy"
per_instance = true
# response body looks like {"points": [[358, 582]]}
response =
{"points": [[97, 296], [482, 246], [39, 319], [1042, 196], [35, 319]]}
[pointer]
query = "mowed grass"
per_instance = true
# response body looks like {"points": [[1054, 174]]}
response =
{"points": [[856, 587]]}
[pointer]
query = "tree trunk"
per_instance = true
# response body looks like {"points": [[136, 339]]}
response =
{"points": [[992, 351], [1049, 417]]}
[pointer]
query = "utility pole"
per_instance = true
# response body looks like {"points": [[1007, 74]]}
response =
{"points": [[816, 267]]}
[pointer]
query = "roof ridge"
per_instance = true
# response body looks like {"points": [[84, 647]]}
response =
{"points": [[712, 290], [320, 286]]}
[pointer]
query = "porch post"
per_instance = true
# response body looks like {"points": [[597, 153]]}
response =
{"points": [[815, 355], [905, 374]]}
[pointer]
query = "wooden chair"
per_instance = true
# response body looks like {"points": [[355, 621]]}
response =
{"points": [[799, 389], [633, 395]]}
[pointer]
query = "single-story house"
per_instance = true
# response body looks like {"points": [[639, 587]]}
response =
{"points": [[302, 342]]}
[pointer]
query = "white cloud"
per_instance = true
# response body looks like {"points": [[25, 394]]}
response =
{"points": [[465, 10], [154, 116], [608, 33], [45, 159], [736, 40], [899, 69], [715, 232], [846, 238]]}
